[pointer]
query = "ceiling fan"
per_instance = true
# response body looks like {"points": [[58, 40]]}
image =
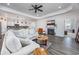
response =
{"points": [[36, 8]]}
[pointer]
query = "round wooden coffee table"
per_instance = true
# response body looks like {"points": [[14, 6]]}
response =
{"points": [[40, 51], [42, 39]]}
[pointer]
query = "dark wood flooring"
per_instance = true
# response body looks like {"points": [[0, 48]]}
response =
{"points": [[63, 46]]}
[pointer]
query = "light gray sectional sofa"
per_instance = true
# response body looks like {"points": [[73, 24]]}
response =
{"points": [[13, 44]]}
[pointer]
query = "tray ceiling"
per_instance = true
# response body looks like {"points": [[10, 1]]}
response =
{"points": [[47, 7]]}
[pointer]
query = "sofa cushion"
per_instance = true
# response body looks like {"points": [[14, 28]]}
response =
{"points": [[23, 33], [13, 43], [27, 49], [31, 31]]}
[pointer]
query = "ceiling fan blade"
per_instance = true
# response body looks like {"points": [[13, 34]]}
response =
{"points": [[33, 6], [40, 6], [40, 10], [35, 10], [31, 9]]}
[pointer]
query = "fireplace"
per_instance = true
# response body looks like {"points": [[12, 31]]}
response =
{"points": [[51, 27], [51, 31]]}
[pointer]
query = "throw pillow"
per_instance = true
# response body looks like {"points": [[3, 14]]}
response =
{"points": [[13, 43]]}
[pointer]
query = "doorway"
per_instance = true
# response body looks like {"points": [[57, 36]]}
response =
{"points": [[70, 26]]}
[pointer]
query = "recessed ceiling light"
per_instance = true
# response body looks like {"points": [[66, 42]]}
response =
{"points": [[8, 4], [59, 7]]}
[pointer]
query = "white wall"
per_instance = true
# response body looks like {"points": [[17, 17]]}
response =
{"points": [[11, 19], [41, 24], [60, 22], [59, 19], [3, 24]]}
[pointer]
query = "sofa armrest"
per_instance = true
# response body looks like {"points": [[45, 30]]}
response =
{"points": [[25, 41], [27, 49]]}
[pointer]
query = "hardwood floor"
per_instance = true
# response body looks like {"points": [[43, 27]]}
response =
{"points": [[63, 46]]}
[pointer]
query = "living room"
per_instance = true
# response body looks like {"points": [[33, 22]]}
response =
{"points": [[51, 27]]}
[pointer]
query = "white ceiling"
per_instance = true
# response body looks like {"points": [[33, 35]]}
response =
{"points": [[47, 7]]}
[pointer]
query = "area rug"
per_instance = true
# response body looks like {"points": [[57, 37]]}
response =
{"points": [[46, 46]]}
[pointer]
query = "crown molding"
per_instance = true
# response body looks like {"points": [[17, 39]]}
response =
{"points": [[35, 17]]}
